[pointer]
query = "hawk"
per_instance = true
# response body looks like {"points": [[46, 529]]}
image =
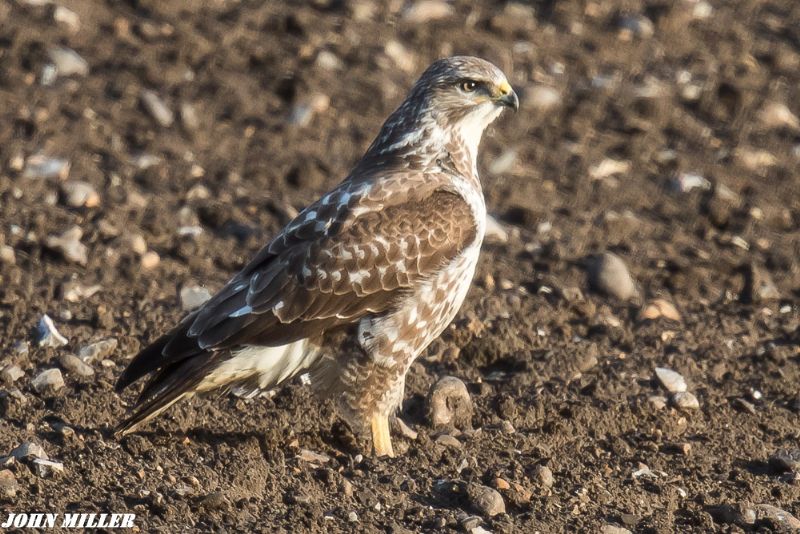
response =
{"points": [[361, 281]]}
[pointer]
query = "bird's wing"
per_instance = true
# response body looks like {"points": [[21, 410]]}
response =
{"points": [[352, 253]]}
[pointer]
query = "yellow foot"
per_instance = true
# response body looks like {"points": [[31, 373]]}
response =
{"points": [[381, 440]]}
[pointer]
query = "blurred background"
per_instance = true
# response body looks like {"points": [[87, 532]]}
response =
{"points": [[646, 212]]}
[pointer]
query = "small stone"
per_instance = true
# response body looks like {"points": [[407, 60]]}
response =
{"points": [[312, 457], [447, 440], [779, 518], [686, 181], [542, 98], [658, 402], [636, 25], [192, 297], [613, 529], [188, 115], [157, 108], [609, 274], [48, 381], [609, 167], [544, 476], [75, 292], [504, 162], [75, 365], [672, 381], [41, 166], [785, 460], [150, 260], [67, 17], [79, 194], [8, 255], [683, 400], [68, 62], [98, 350], [495, 232], [758, 285], [69, 245], [8, 484], [352, 517], [327, 60], [657, 308], [400, 56], [11, 373], [47, 335], [424, 11], [45, 468], [778, 116], [485, 500], [213, 501], [29, 449], [449, 404], [501, 484]]}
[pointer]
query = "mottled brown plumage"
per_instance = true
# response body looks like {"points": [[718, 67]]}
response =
{"points": [[361, 281]]}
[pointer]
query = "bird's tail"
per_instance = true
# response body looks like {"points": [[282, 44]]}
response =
{"points": [[246, 370]]}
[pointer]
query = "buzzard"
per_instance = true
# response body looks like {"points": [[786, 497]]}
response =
{"points": [[361, 281]]}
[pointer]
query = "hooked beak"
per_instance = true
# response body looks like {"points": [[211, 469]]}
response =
{"points": [[506, 96]]}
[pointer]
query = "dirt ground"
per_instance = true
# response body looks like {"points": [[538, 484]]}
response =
{"points": [[626, 105]]}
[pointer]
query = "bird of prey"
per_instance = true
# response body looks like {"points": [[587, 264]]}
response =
{"points": [[361, 281]]}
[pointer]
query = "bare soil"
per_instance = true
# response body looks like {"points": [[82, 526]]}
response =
{"points": [[560, 376]]}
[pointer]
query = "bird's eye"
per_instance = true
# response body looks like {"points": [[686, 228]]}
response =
{"points": [[469, 86]]}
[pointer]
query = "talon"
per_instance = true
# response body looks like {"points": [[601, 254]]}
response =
{"points": [[381, 439]]}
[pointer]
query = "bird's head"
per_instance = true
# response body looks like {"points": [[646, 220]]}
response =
{"points": [[459, 95]]}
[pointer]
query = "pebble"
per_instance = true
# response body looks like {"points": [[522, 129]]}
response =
{"points": [[636, 26], [41, 166], [150, 260], [504, 162], [157, 108], [658, 402], [188, 115], [45, 468], [777, 115], [609, 274], [683, 400], [544, 476], [78, 194], [68, 18], [613, 529], [98, 350], [29, 449], [449, 404], [11, 373], [192, 297], [213, 501], [780, 518], [447, 440], [758, 285], [659, 308], [609, 167], [485, 500], [424, 11], [543, 98], [786, 460], [8, 255], [68, 62], [8, 484], [400, 56], [495, 232], [75, 292], [671, 380], [327, 60], [501, 484], [312, 457], [69, 245], [73, 364], [47, 381], [352, 517], [686, 181], [47, 335]]}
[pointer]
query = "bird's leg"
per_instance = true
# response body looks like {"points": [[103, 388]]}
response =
{"points": [[381, 439]]}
